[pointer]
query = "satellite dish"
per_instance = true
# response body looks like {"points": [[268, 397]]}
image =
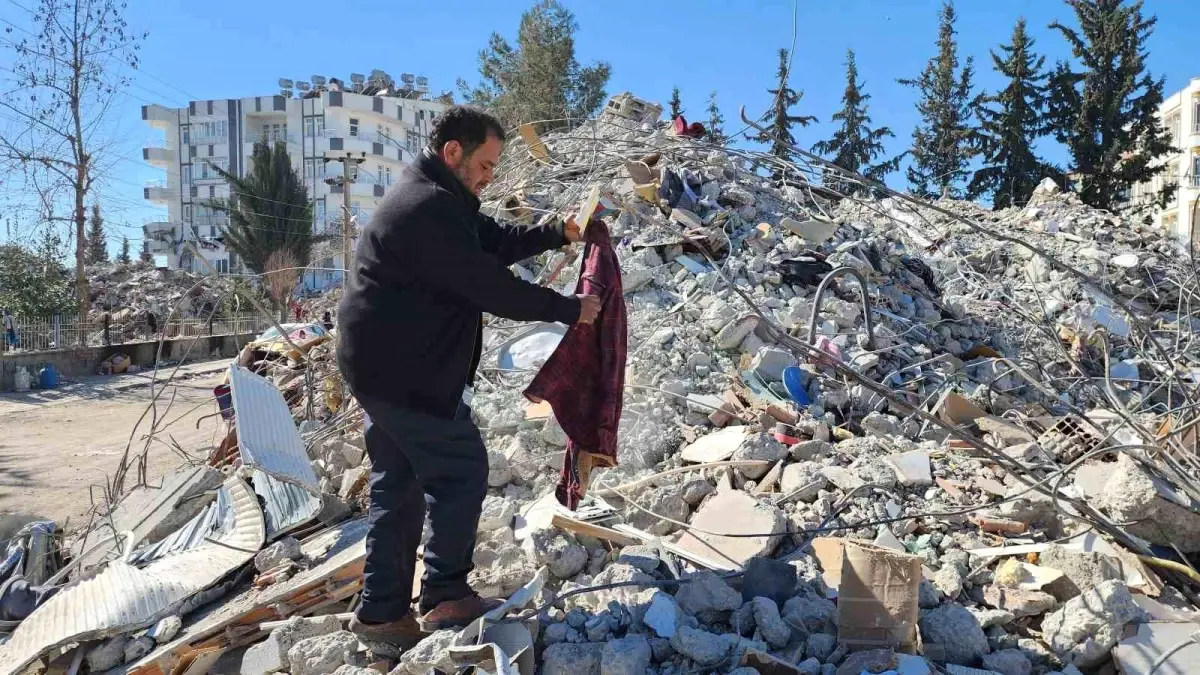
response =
{"points": [[422, 81], [286, 93], [406, 78], [303, 86], [284, 83], [357, 78], [318, 80]]}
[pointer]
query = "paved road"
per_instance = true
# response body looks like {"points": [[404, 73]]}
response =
{"points": [[55, 445]]}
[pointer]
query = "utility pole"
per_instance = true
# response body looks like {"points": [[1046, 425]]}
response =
{"points": [[347, 222]]}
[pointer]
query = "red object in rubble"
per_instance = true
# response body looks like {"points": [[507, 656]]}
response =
{"points": [[693, 130]]}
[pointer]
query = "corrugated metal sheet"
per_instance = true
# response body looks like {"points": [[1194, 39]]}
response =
{"points": [[123, 598], [192, 534], [287, 505], [267, 436]]}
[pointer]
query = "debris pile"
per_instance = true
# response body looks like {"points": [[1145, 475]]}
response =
{"points": [[861, 433]]}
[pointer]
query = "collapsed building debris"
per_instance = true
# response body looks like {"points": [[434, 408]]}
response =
{"points": [[861, 433]]}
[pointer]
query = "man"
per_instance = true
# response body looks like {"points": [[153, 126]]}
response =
{"points": [[10, 330], [410, 335]]}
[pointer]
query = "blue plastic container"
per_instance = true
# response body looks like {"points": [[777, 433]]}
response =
{"points": [[48, 377]]}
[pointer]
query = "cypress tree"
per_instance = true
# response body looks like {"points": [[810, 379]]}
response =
{"points": [[123, 256], [944, 141], [716, 122], [855, 145], [1010, 124], [1107, 112], [779, 120], [97, 239], [675, 103]]}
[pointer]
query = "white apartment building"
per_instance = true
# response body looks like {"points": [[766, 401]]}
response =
{"points": [[372, 120], [1180, 116]]}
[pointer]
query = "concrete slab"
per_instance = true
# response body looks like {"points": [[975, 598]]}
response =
{"points": [[734, 512]]}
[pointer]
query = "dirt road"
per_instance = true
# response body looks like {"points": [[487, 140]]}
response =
{"points": [[55, 445]]}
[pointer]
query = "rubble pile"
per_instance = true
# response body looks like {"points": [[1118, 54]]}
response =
{"points": [[861, 434]]}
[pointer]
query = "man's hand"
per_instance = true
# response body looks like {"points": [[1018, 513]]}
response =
{"points": [[571, 230], [589, 308]]}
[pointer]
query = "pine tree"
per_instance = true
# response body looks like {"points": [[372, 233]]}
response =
{"points": [[855, 145], [97, 239], [538, 80], [944, 141], [778, 120], [675, 103], [1010, 124], [716, 122], [123, 256], [1106, 114]]}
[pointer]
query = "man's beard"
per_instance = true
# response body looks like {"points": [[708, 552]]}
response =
{"points": [[461, 174]]}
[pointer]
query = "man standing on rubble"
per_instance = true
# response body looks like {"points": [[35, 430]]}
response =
{"points": [[410, 336]]}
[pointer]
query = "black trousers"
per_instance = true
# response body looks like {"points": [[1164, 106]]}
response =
{"points": [[418, 463]]}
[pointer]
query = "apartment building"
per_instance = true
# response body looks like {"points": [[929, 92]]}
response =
{"points": [[379, 124], [1180, 117]]}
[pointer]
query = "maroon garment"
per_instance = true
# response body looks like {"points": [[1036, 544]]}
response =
{"points": [[584, 379]]}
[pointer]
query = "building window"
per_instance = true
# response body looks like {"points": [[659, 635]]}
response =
{"points": [[412, 140], [187, 213], [321, 126], [354, 126], [379, 175], [1196, 117], [319, 216], [310, 126], [186, 131], [384, 132], [194, 190], [310, 169], [388, 171], [212, 191], [186, 175], [222, 267], [1196, 172]]}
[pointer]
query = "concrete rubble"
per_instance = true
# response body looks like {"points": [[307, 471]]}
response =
{"points": [[1001, 423]]}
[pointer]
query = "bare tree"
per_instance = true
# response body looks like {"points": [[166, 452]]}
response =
{"points": [[67, 71], [281, 274]]}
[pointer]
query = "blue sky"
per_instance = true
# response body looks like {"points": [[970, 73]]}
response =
{"points": [[224, 49]]}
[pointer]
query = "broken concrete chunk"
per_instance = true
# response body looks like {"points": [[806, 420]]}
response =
{"points": [[270, 557], [694, 491], [1013, 573], [165, 630], [108, 654], [663, 615], [702, 647], [769, 363], [1079, 570], [759, 447], [733, 511], [870, 661], [1084, 630], [912, 468], [806, 475], [842, 477], [432, 652], [1008, 662], [572, 659], [956, 629], [645, 558], [774, 630], [768, 578], [1019, 603], [271, 654], [715, 447], [137, 648], [812, 612], [629, 655], [497, 512]]}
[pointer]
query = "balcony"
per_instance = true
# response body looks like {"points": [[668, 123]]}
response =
{"points": [[159, 156], [158, 116], [368, 189], [158, 193]]}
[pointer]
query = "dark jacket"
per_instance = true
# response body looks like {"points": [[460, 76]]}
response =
{"points": [[427, 265]]}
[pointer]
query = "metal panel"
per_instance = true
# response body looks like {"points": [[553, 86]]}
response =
{"points": [[286, 505], [124, 598], [267, 436]]}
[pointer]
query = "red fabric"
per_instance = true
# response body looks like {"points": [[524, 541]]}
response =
{"points": [[584, 379]]}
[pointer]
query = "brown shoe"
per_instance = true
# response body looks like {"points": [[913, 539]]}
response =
{"points": [[457, 613], [404, 632]]}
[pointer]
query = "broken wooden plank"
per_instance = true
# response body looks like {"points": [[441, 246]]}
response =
{"points": [[597, 531]]}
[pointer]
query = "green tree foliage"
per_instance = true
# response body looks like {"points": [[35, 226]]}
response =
{"points": [[944, 141], [97, 238], [539, 79], [1106, 113], [716, 122], [123, 257], [1010, 124], [144, 255], [855, 145], [779, 120], [675, 103], [32, 284], [270, 209]]}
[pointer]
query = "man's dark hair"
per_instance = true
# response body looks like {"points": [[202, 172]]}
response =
{"points": [[468, 125]]}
